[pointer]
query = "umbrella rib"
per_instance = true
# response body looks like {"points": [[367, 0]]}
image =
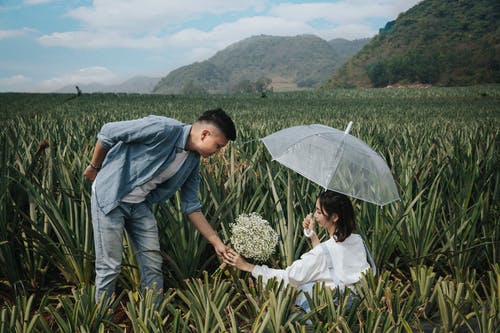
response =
{"points": [[337, 158]]}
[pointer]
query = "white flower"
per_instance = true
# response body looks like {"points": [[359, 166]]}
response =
{"points": [[253, 237]]}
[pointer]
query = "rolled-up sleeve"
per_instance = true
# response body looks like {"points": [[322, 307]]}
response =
{"points": [[189, 193], [308, 268]]}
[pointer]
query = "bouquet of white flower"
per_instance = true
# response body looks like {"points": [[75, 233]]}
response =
{"points": [[253, 237]]}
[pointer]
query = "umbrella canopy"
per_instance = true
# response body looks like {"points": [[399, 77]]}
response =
{"points": [[335, 160]]}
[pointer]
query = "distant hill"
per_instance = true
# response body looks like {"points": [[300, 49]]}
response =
{"points": [[454, 42], [137, 84], [304, 61], [347, 48]]}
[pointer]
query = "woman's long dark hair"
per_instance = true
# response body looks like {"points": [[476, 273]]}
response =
{"points": [[331, 203]]}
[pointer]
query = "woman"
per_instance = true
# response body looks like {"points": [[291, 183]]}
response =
{"points": [[337, 262]]}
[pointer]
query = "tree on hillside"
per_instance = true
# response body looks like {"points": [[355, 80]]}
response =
{"points": [[416, 66], [244, 86], [263, 85], [191, 89]]}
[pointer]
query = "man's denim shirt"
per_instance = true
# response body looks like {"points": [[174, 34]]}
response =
{"points": [[138, 150]]}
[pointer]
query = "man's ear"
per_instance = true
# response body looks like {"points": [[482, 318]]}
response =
{"points": [[204, 133]]}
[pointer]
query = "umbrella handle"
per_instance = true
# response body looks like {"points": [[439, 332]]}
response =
{"points": [[348, 129], [308, 234]]}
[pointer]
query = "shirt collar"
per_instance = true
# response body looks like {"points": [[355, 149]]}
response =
{"points": [[181, 142]]}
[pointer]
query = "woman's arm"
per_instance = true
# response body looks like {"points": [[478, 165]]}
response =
{"points": [[308, 268], [314, 240]]}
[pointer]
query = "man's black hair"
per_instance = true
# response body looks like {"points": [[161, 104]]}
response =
{"points": [[222, 120]]}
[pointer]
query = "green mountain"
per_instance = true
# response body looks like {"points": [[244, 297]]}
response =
{"points": [[440, 42], [347, 48], [304, 61]]}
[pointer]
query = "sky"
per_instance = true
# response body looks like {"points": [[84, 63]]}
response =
{"points": [[48, 44]]}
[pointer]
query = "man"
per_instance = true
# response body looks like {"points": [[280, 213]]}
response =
{"points": [[140, 162]]}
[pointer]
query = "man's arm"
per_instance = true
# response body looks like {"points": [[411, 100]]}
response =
{"points": [[136, 130], [201, 224], [96, 163]]}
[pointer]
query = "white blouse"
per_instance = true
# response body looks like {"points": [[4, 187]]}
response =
{"points": [[349, 261]]}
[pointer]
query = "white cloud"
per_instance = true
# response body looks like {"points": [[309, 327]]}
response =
{"points": [[146, 15], [221, 36], [227, 33], [342, 12], [36, 2], [96, 74], [4, 34], [14, 80], [96, 40], [200, 43], [14, 83]]}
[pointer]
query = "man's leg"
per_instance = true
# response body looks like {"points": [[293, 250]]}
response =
{"points": [[143, 231], [108, 241]]}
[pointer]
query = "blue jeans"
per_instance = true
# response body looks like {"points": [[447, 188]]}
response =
{"points": [[139, 222]]}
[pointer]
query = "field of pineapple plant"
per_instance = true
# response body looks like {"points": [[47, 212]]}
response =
{"points": [[437, 250]]}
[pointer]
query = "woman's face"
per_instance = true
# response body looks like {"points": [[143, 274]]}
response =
{"points": [[321, 218]]}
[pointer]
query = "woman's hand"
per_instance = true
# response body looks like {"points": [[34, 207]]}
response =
{"points": [[236, 260], [309, 224]]}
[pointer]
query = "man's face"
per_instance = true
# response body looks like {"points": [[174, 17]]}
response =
{"points": [[212, 140]]}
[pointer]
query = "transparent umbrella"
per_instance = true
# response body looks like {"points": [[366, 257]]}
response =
{"points": [[335, 160]]}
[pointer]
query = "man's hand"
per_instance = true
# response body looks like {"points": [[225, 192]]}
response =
{"points": [[90, 173], [96, 162], [221, 249], [202, 225]]}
